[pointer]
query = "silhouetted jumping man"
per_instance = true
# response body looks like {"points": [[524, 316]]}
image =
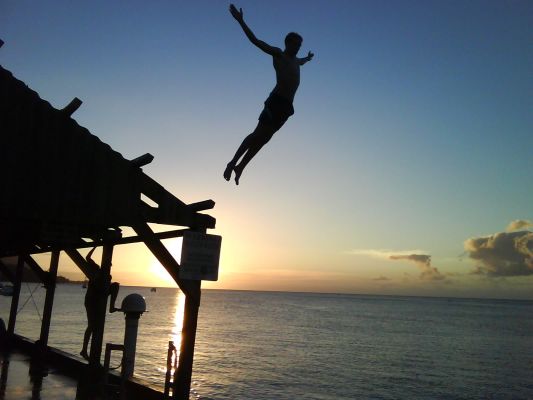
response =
{"points": [[278, 106]]}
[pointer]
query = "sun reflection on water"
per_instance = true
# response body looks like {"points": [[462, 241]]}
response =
{"points": [[178, 324]]}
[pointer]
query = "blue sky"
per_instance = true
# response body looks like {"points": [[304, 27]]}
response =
{"points": [[412, 130]]}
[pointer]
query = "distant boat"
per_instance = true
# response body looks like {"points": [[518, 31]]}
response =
{"points": [[153, 289], [6, 290]]}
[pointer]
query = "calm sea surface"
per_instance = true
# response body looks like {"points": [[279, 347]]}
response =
{"points": [[264, 345]]}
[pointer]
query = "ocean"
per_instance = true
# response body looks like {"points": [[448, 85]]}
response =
{"points": [[274, 345]]}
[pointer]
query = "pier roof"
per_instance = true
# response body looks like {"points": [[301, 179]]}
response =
{"points": [[62, 187]]}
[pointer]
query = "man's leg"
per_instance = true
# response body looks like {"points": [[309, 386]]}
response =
{"points": [[238, 154], [86, 338], [249, 148], [263, 133]]}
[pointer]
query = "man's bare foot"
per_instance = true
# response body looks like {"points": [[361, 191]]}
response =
{"points": [[84, 354], [227, 171], [238, 172]]}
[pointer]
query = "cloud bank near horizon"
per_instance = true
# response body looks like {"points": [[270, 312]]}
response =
{"points": [[423, 262], [502, 254], [383, 253]]}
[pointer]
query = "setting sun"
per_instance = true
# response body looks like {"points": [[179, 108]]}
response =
{"points": [[157, 272]]}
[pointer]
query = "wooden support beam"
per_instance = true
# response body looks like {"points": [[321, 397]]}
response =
{"points": [[7, 273], [156, 192], [16, 296], [41, 274], [114, 242], [201, 205], [88, 269], [171, 215], [71, 107], [101, 306], [142, 160], [159, 250], [171, 210], [183, 374], [49, 299]]}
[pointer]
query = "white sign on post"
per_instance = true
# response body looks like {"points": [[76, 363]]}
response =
{"points": [[200, 255]]}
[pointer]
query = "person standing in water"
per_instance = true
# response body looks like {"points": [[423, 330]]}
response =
{"points": [[278, 106]]}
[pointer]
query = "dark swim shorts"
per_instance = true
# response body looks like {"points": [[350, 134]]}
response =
{"points": [[277, 111]]}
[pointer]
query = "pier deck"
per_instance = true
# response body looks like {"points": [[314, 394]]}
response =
{"points": [[16, 381]]}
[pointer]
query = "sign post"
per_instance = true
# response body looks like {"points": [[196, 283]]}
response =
{"points": [[200, 255]]}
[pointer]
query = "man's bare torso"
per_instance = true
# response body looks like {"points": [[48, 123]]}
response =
{"points": [[287, 75]]}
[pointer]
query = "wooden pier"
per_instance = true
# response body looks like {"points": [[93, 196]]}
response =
{"points": [[65, 190]]}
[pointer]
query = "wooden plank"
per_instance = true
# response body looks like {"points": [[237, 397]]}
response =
{"points": [[201, 205], [156, 192], [172, 214], [171, 210], [47, 248], [71, 107], [142, 160]]}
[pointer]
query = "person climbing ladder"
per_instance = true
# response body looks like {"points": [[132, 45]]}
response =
{"points": [[94, 295]]}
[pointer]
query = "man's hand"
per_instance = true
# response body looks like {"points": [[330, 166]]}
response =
{"points": [[237, 14], [309, 57]]}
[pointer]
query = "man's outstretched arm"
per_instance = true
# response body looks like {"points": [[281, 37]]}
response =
{"points": [[238, 15], [309, 57]]}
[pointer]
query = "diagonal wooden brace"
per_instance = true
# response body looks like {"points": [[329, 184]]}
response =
{"points": [[44, 276], [88, 269], [189, 288]]}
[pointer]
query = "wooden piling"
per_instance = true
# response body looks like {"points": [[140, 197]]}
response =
{"points": [[183, 374], [16, 296], [101, 307], [50, 286], [192, 290]]}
